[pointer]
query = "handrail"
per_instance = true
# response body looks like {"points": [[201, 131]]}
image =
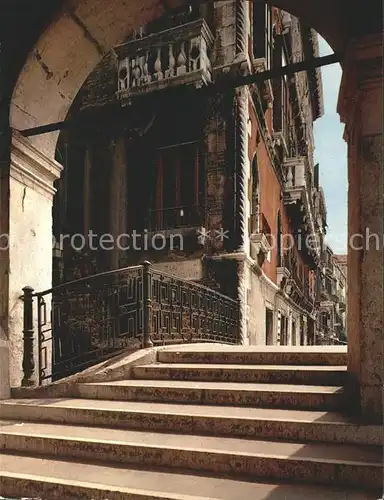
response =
{"points": [[131, 268], [195, 285], [136, 306], [85, 278]]}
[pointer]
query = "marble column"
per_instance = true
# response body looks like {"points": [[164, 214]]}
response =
{"points": [[360, 108]]}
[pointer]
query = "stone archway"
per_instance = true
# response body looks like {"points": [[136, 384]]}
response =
{"points": [[65, 55], [83, 32]]}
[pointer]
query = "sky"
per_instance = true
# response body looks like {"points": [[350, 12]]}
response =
{"points": [[331, 154]]}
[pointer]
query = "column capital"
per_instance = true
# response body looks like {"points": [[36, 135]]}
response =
{"points": [[362, 81], [31, 167]]}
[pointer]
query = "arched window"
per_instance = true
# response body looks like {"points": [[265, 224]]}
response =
{"points": [[255, 207]]}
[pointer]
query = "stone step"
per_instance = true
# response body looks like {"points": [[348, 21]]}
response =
{"points": [[250, 355], [329, 464], [293, 425], [269, 374], [327, 398], [58, 479]]}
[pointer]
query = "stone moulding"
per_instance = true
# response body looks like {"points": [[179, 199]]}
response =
{"points": [[260, 243], [279, 140], [293, 292], [282, 274]]}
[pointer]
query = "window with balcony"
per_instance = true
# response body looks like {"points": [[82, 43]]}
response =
{"points": [[178, 193]]}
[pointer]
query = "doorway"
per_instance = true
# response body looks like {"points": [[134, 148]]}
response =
{"points": [[269, 326]]}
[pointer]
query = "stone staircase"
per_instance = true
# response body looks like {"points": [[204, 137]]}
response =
{"points": [[203, 422]]}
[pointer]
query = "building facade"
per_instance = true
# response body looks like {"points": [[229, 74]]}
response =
{"points": [[211, 182], [332, 304]]}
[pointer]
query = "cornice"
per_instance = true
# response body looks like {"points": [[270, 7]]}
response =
{"points": [[31, 167], [363, 68]]}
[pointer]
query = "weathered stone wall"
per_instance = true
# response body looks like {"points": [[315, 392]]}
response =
{"points": [[30, 252], [219, 173], [101, 85], [5, 391], [224, 50]]}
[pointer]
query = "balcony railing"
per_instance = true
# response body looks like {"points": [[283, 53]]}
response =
{"points": [[295, 174], [179, 55], [298, 199], [175, 218], [84, 322]]}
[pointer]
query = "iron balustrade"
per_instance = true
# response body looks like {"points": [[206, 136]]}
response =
{"points": [[183, 311], [83, 322]]}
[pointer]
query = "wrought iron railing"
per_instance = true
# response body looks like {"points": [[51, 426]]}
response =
{"points": [[83, 322], [183, 311]]}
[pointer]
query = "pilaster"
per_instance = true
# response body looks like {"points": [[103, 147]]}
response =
{"points": [[360, 108], [30, 242]]}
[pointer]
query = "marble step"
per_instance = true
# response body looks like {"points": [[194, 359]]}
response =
{"points": [[58, 479], [250, 355], [269, 374], [314, 463], [327, 398], [294, 425]]}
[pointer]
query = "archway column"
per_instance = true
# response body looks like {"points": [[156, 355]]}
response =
{"points": [[31, 193], [360, 108], [117, 200]]}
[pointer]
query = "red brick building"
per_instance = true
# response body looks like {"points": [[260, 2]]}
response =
{"points": [[184, 152]]}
